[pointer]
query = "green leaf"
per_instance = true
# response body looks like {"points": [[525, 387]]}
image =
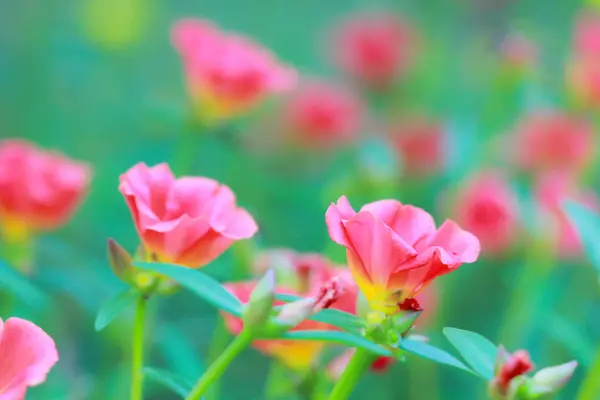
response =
{"points": [[20, 286], [338, 318], [201, 284], [432, 353], [178, 384], [477, 351], [115, 306], [587, 223], [331, 316], [344, 338], [288, 298]]}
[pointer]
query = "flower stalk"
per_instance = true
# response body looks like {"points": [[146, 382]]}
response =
{"points": [[358, 364], [218, 367], [137, 362]]}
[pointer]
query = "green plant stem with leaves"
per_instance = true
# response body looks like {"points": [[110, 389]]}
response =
{"points": [[590, 388], [218, 367], [358, 364], [137, 362]]}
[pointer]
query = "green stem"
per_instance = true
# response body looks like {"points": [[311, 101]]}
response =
{"points": [[137, 362], [218, 367], [590, 388], [356, 367], [218, 344]]}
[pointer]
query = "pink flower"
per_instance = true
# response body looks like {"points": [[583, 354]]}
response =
{"points": [[307, 275], [226, 73], [586, 40], [553, 141], [39, 190], [518, 52], [394, 251], [27, 354], [551, 191], [188, 221], [374, 48], [420, 145], [322, 115], [487, 207], [583, 80]]}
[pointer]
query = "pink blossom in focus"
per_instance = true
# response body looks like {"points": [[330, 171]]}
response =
{"points": [[188, 221], [39, 190], [394, 251], [27, 354], [551, 191], [420, 143], [322, 115], [374, 48], [226, 73], [551, 141], [487, 207]]}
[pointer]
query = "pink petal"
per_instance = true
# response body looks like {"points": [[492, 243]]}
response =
{"points": [[189, 195], [459, 245], [240, 225], [148, 185], [205, 250], [334, 217], [410, 223], [380, 249], [27, 354], [175, 237]]}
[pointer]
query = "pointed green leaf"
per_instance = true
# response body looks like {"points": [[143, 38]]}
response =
{"points": [[344, 338], [432, 353], [199, 283], [178, 384], [477, 351], [587, 223], [20, 286], [338, 318], [332, 316], [115, 306], [288, 298]]}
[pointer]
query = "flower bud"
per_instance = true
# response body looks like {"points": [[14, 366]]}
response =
{"points": [[550, 380], [292, 314], [260, 305], [120, 261]]}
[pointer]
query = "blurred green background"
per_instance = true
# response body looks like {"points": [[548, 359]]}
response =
{"points": [[99, 80]]}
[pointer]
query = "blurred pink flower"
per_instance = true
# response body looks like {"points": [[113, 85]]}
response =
{"points": [[322, 115], [394, 251], [583, 80], [420, 145], [586, 39], [188, 221], [518, 51], [374, 48], [27, 354], [487, 207], [551, 191], [226, 73], [552, 141], [39, 190], [306, 275]]}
